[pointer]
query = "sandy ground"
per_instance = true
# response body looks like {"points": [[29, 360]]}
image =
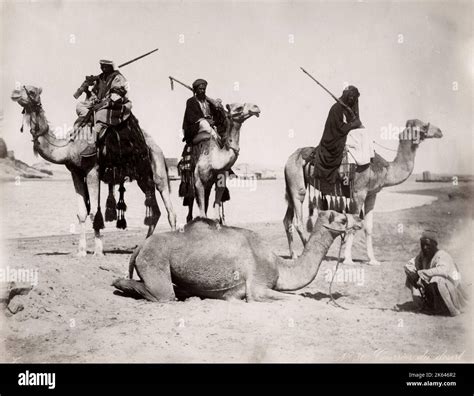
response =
{"points": [[73, 314]]}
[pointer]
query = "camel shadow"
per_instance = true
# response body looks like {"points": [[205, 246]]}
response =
{"points": [[333, 258], [119, 251], [53, 254], [322, 296], [411, 306]]}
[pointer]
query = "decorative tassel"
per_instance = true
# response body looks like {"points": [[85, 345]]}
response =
{"points": [[331, 204], [111, 205], [361, 214], [98, 223], [352, 207], [121, 208], [315, 201], [122, 223], [325, 205]]}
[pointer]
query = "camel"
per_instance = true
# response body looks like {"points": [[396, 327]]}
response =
{"points": [[234, 263], [213, 164], [366, 185], [71, 153]]}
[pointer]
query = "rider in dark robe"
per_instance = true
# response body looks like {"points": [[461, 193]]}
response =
{"points": [[202, 114], [328, 155]]}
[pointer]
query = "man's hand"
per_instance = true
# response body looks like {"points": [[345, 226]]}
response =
{"points": [[355, 124], [422, 274], [101, 105]]}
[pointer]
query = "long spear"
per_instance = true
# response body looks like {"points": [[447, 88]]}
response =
{"points": [[90, 79], [351, 112]]}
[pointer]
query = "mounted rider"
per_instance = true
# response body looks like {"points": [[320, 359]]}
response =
{"points": [[342, 118], [203, 115], [204, 119], [107, 101], [121, 148]]}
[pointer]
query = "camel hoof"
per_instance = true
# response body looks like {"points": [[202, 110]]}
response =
{"points": [[98, 254], [294, 256], [348, 262], [375, 263], [81, 253]]}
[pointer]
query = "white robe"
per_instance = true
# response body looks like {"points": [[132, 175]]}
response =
{"points": [[360, 147]]}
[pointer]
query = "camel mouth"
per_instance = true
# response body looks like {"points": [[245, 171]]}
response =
{"points": [[16, 95]]}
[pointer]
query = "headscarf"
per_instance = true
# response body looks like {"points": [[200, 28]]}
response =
{"points": [[199, 82], [107, 62], [430, 234], [351, 89]]}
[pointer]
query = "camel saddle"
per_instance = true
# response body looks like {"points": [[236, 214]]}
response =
{"points": [[123, 153], [339, 195]]}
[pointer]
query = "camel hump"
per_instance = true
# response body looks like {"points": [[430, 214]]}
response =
{"points": [[200, 222]]}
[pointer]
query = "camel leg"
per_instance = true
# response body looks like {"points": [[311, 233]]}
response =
{"points": [[207, 194], [288, 224], [134, 288], [94, 182], [369, 226], [200, 194], [165, 196], [359, 198], [161, 178], [219, 186], [83, 205], [269, 294], [189, 217], [145, 186], [298, 219]]}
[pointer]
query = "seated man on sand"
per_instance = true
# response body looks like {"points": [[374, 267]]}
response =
{"points": [[434, 279]]}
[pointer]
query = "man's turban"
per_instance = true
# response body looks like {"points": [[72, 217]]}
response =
{"points": [[199, 82], [430, 234], [350, 89], [107, 62]]}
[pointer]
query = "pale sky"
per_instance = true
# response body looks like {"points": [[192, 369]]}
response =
{"points": [[408, 59]]}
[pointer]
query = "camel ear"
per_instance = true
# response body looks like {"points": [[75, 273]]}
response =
{"points": [[331, 217], [40, 90], [227, 107]]}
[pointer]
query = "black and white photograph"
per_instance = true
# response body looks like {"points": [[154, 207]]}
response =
{"points": [[246, 182]]}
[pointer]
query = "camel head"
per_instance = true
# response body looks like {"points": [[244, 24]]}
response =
{"points": [[242, 112], [417, 131], [27, 97], [339, 222]]}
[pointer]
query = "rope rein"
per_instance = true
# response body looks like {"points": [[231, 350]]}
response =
{"points": [[335, 272]]}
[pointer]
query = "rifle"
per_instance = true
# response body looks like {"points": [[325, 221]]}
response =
{"points": [[351, 112], [90, 80]]}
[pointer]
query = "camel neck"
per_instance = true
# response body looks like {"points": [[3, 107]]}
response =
{"points": [[298, 273], [234, 136], [402, 166], [47, 145]]}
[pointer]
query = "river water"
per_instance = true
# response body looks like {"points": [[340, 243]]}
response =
{"points": [[40, 208]]}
